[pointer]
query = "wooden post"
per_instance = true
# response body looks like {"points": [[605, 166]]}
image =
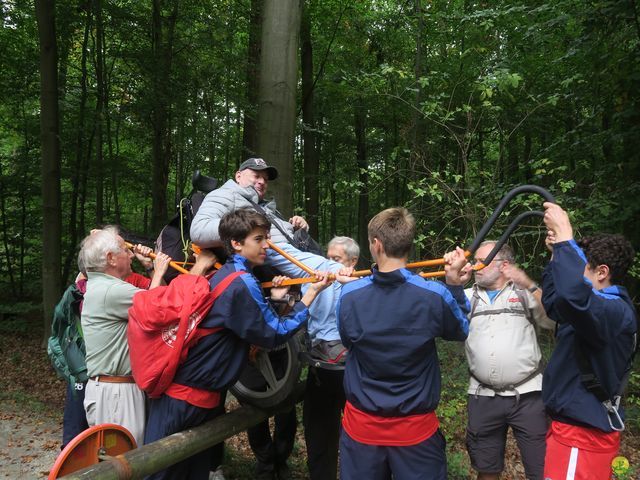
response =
{"points": [[156, 456]]}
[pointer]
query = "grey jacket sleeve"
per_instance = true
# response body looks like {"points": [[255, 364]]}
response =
{"points": [[204, 227]]}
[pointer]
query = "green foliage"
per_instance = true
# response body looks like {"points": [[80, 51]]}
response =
{"points": [[462, 102]]}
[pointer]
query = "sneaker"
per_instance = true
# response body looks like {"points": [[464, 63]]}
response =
{"points": [[217, 474], [329, 351]]}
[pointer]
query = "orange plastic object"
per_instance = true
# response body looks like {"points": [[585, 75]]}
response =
{"points": [[83, 451]]}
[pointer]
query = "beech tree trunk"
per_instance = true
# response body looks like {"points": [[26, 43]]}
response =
{"points": [[163, 33], [311, 160], [100, 105], [360, 115], [79, 153], [50, 160], [277, 94], [249, 131]]}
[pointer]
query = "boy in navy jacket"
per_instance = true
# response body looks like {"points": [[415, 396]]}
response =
{"points": [[596, 336], [217, 360], [389, 322]]}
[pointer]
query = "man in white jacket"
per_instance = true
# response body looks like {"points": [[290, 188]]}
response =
{"points": [[247, 190]]}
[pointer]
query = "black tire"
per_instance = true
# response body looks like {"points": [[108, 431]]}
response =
{"points": [[270, 380]]}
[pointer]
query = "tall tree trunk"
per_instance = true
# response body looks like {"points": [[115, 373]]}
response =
{"points": [[227, 132], [526, 157], [5, 235], [211, 136], [180, 154], [419, 131], [113, 158], [363, 168], [250, 130], [83, 187], [77, 170], [162, 44], [277, 93], [607, 144], [511, 167], [50, 139], [333, 222], [24, 196], [311, 160], [99, 67]]}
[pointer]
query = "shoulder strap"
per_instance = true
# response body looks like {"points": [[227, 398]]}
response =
{"points": [[274, 223], [525, 305], [587, 375], [475, 298], [215, 293], [222, 286]]}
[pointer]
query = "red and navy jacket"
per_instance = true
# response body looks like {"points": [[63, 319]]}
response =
{"points": [[603, 320], [389, 322], [217, 360]]}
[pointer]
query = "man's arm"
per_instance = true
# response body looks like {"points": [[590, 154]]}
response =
{"points": [[204, 227], [533, 294], [574, 299], [254, 320], [205, 261], [576, 302], [455, 323]]}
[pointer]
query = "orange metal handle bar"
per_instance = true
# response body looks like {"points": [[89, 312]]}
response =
{"points": [[300, 281], [441, 273], [423, 263], [293, 260], [362, 273], [173, 264]]}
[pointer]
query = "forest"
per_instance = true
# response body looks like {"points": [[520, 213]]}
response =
{"points": [[109, 106]]}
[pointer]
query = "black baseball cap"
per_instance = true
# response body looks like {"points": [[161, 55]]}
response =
{"points": [[259, 164]]}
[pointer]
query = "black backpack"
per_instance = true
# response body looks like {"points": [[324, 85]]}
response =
{"points": [[174, 239]]}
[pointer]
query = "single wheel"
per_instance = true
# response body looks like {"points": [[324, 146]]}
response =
{"points": [[270, 375], [90, 447]]}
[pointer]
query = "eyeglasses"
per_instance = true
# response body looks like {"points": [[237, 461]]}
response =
{"points": [[476, 261]]}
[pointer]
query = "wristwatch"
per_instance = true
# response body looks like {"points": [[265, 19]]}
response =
{"points": [[534, 288]]}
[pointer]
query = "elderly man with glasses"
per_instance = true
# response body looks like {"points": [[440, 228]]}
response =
{"points": [[505, 366], [112, 395]]}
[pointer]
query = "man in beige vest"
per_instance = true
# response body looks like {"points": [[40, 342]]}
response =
{"points": [[505, 366]]}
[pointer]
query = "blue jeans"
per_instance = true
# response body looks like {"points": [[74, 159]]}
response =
{"points": [[322, 322]]}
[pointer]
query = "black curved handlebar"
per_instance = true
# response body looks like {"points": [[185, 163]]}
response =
{"points": [[507, 233], [500, 208]]}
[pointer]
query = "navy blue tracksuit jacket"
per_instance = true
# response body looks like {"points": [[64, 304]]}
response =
{"points": [[603, 320], [216, 361], [389, 322]]}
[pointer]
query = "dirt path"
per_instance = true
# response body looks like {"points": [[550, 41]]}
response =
{"points": [[29, 443]]}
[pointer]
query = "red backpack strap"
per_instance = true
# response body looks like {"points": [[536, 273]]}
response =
{"points": [[216, 292], [222, 286]]}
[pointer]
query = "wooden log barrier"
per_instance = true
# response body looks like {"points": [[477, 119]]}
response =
{"points": [[156, 456]]}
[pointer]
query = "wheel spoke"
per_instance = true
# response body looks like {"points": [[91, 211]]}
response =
{"points": [[263, 362]]}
